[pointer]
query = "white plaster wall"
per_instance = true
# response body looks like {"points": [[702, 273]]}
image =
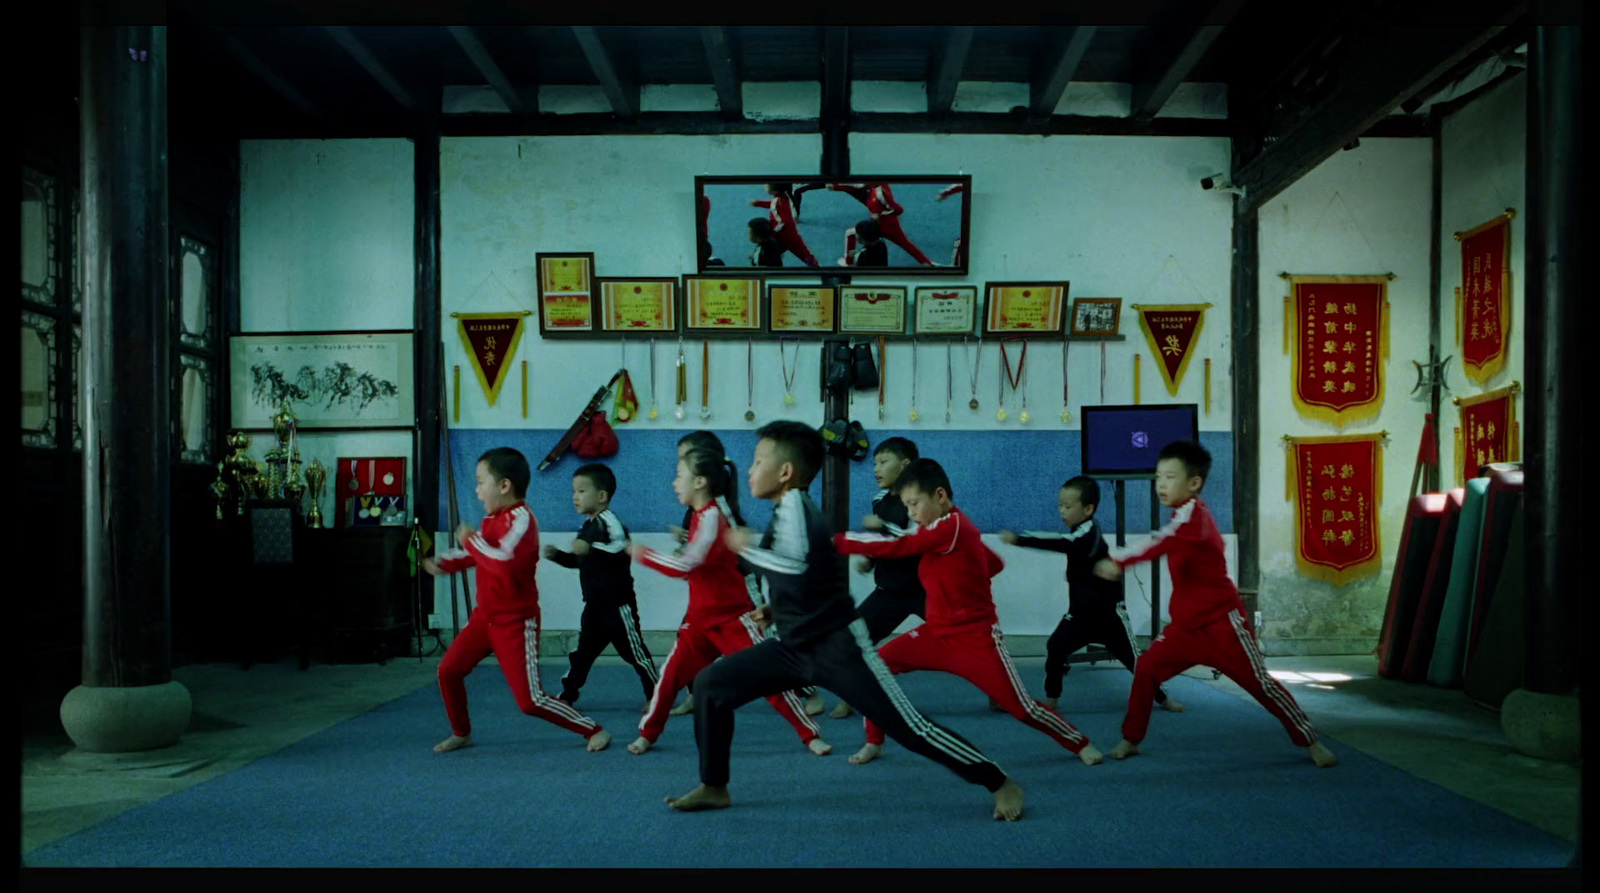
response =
{"points": [[1360, 212], [326, 244], [1484, 172]]}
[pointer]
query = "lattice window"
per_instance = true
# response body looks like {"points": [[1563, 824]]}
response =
{"points": [[193, 432], [40, 257], [195, 288], [39, 397], [74, 254]]}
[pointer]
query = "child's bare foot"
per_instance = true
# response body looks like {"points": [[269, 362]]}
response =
{"points": [[819, 747], [1008, 801], [1171, 705], [815, 705], [1091, 755], [1123, 750], [866, 754], [640, 746], [454, 742], [702, 797], [1322, 756], [840, 710], [599, 741], [1050, 702], [683, 709]]}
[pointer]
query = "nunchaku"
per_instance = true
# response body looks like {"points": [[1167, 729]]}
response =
{"points": [[583, 419]]}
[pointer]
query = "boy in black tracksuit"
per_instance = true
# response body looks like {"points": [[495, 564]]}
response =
{"points": [[898, 593], [1095, 611], [605, 571], [820, 639]]}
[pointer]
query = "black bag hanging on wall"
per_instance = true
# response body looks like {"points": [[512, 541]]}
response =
{"points": [[866, 371], [840, 372]]}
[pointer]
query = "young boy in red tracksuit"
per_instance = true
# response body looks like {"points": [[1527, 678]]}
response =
{"points": [[1208, 625], [717, 622], [880, 202], [962, 633], [505, 622], [780, 211]]}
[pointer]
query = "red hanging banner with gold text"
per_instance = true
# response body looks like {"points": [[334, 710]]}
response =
{"points": [[1336, 328], [491, 340], [1336, 483], [1172, 330], [1488, 431], [1483, 300]]}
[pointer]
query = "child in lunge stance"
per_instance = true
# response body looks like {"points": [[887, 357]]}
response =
{"points": [[1208, 624], [717, 622], [610, 611], [897, 593], [505, 622], [705, 440], [1095, 613], [820, 639], [962, 634]]}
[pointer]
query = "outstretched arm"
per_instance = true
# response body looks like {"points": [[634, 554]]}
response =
{"points": [[937, 537]]}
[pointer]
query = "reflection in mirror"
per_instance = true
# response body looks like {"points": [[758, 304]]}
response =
{"points": [[192, 309]]}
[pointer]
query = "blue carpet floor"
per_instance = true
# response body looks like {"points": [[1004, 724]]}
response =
{"points": [[1218, 786]]}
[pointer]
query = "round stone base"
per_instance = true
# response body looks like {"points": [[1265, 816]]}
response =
{"points": [[1543, 726], [126, 720]]}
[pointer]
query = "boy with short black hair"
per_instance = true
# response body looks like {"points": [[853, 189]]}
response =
{"points": [[505, 622], [1208, 621], [898, 593], [610, 610], [821, 640], [962, 634], [1095, 612]]}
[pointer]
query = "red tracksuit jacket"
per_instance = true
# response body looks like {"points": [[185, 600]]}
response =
{"points": [[717, 590], [505, 551], [780, 212], [1201, 591], [955, 568]]}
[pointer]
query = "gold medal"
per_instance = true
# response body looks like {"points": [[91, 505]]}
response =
{"points": [[749, 415], [1000, 414], [788, 399], [388, 478], [654, 414], [915, 415], [623, 414], [1024, 418], [678, 413], [1065, 416]]}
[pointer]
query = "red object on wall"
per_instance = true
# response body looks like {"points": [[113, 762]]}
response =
{"points": [[378, 476]]}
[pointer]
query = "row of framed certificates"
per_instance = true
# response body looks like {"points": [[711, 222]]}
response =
{"points": [[573, 303]]}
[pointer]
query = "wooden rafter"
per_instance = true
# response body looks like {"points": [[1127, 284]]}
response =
{"points": [[1062, 56], [484, 62], [947, 73], [364, 57], [620, 91], [719, 57]]}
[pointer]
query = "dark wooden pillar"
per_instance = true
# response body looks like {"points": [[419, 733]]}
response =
{"points": [[1552, 341], [1245, 314], [127, 370], [1430, 478], [836, 164], [426, 319]]}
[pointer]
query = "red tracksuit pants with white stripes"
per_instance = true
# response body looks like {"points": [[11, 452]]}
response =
{"points": [[1226, 646], [516, 646], [979, 656], [698, 647]]}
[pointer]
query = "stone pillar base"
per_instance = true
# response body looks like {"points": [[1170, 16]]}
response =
{"points": [[1543, 726], [126, 720]]}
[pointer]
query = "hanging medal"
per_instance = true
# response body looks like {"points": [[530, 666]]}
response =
{"points": [[882, 377], [1102, 372], [914, 415], [621, 407], [1007, 375], [1064, 414], [973, 375], [789, 369], [354, 483], [705, 380], [372, 487], [683, 381], [750, 381], [949, 381], [653, 413]]}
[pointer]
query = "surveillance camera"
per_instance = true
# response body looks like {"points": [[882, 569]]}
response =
{"points": [[1214, 181]]}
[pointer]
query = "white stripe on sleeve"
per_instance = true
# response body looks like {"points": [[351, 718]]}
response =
{"points": [[521, 520]]}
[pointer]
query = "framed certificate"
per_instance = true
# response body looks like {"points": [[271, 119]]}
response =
{"points": [[801, 309], [1093, 317], [946, 311], [872, 310], [719, 305], [1025, 309], [637, 304], [566, 294]]}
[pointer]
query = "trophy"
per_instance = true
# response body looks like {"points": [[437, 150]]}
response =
{"points": [[239, 468], [280, 474], [219, 487], [316, 477]]}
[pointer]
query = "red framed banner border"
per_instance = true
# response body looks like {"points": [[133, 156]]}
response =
{"points": [[1493, 364], [1363, 565], [1292, 343]]}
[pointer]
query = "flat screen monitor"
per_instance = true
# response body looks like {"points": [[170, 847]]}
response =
{"points": [[1125, 440], [914, 225]]}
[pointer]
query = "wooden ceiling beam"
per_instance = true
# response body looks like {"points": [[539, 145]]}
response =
{"points": [[267, 75], [1060, 62], [947, 73], [364, 57], [621, 92], [724, 74], [482, 60], [1165, 71]]}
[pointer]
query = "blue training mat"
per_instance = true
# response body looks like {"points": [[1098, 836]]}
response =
{"points": [[1447, 667]]}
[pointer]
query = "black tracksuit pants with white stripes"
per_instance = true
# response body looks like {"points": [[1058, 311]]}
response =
{"points": [[1108, 628], [618, 627], [845, 663]]}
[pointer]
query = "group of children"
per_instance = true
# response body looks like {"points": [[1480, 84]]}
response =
{"points": [[928, 559]]}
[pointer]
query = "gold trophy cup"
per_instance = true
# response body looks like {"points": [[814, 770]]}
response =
{"points": [[316, 477]]}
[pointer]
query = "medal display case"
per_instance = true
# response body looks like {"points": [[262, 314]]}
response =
{"points": [[370, 491]]}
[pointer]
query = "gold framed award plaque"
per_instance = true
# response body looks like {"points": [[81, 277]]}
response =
{"points": [[637, 304], [713, 306], [945, 311], [566, 294], [801, 309], [872, 310], [1025, 309]]}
